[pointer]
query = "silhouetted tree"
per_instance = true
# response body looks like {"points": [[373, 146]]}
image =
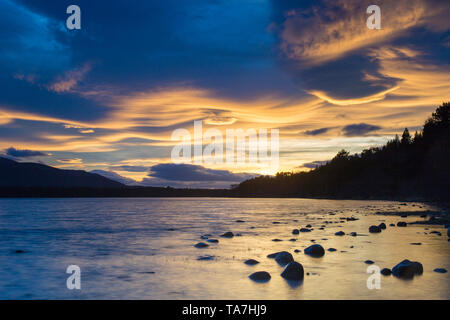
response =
{"points": [[406, 137]]}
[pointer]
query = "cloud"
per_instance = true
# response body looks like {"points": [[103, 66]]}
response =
{"points": [[317, 132], [70, 161], [189, 172], [360, 129], [69, 80], [129, 168], [24, 153], [314, 164], [115, 177], [331, 29]]}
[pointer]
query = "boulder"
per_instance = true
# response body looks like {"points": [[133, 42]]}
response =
{"points": [[386, 272], [293, 271], [332, 249], [304, 230], [340, 233], [316, 251], [440, 270], [369, 262], [401, 224], [353, 234], [374, 229], [228, 234], [251, 262], [283, 258], [407, 269], [260, 276], [213, 240], [295, 231], [201, 245], [382, 225]]}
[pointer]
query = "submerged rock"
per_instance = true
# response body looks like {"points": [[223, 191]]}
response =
{"points": [[260, 276], [277, 240], [228, 234], [386, 272], [201, 245], [401, 224], [353, 234], [205, 258], [382, 225], [251, 262], [440, 270], [369, 262], [304, 230], [283, 258], [295, 231], [340, 233], [374, 229], [293, 271], [407, 269], [392, 225], [332, 249], [213, 240], [316, 251]]}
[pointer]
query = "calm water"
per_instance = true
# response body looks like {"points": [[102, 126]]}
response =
{"points": [[126, 249]]}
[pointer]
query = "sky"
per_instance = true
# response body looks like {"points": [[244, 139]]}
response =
{"points": [[107, 98]]}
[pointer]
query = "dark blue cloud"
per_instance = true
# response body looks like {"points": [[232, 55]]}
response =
{"points": [[13, 152], [317, 132], [360, 129], [189, 172]]}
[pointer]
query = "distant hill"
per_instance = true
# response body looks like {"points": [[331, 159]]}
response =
{"points": [[410, 167], [28, 175]]}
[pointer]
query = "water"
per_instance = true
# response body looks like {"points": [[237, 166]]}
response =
{"points": [[144, 249]]}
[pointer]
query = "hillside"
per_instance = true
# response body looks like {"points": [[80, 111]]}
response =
{"points": [[27, 175]]}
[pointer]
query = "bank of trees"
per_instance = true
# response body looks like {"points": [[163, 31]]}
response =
{"points": [[407, 166]]}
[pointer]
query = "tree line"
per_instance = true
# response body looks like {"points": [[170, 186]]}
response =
{"points": [[405, 167]]}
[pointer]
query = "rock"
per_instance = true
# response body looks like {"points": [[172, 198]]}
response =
{"points": [[295, 231], [240, 221], [297, 251], [272, 255], [293, 271], [407, 269], [401, 224], [392, 225], [277, 240], [19, 251], [369, 262], [261, 276], [436, 233], [416, 243], [382, 225], [308, 226], [201, 245], [304, 230], [293, 240], [374, 229], [228, 235], [251, 262], [283, 258], [316, 251], [353, 234], [332, 249], [203, 237], [213, 240], [386, 272], [206, 257], [340, 233], [440, 270]]}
